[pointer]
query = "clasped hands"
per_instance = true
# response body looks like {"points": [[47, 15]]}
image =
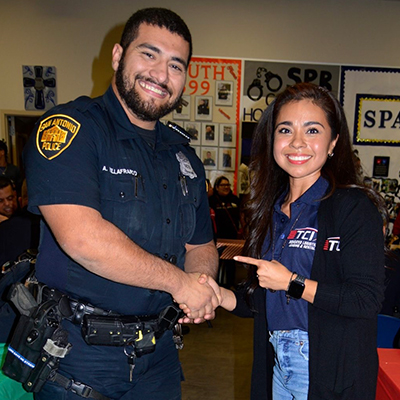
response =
{"points": [[206, 295]]}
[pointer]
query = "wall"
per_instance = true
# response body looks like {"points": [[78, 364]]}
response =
{"points": [[77, 36]]}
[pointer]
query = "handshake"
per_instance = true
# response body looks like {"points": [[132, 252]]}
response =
{"points": [[200, 296]]}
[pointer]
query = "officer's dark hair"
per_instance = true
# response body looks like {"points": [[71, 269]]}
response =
{"points": [[5, 182], [160, 17], [3, 146]]}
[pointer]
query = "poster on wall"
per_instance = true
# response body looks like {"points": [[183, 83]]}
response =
{"points": [[370, 97], [39, 84], [212, 94], [263, 80], [371, 100]]}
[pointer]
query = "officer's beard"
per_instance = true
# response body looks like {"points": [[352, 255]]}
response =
{"points": [[144, 110]]}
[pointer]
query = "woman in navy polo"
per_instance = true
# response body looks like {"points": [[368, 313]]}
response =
{"points": [[316, 255]]}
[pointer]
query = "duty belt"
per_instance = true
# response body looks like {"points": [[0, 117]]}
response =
{"points": [[82, 313], [137, 334]]}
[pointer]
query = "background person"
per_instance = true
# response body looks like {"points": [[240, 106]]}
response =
{"points": [[311, 245], [120, 234], [8, 198], [226, 206], [19, 233], [7, 169]]}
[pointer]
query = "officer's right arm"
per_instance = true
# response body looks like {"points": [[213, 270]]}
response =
{"points": [[102, 248], [62, 168]]}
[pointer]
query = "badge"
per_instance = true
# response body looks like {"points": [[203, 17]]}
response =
{"points": [[185, 166], [55, 134]]}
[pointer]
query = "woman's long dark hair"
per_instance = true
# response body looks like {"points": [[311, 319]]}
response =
{"points": [[269, 181]]}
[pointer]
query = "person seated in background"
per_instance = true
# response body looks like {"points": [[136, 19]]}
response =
{"points": [[210, 192], [396, 226], [8, 198], [7, 169], [226, 206], [20, 232]]}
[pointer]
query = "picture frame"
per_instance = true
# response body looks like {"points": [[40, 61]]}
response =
{"points": [[197, 150], [381, 166], [227, 135], [227, 159], [182, 112], [209, 134], [209, 157], [193, 129], [224, 93], [204, 108]]}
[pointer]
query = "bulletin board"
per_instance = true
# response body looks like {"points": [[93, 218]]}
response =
{"points": [[210, 114]]}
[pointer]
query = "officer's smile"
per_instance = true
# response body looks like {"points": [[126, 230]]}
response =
{"points": [[153, 89]]}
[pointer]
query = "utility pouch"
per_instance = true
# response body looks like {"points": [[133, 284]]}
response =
{"points": [[119, 331], [36, 346]]}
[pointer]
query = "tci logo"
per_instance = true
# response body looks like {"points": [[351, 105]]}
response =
{"points": [[332, 244]]}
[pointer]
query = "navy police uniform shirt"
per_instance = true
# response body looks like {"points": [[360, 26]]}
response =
{"points": [[294, 247], [88, 153]]}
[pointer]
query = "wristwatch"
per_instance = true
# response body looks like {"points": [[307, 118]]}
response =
{"points": [[296, 287]]}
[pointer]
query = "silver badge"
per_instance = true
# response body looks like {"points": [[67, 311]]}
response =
{"points": [[185, 166]]}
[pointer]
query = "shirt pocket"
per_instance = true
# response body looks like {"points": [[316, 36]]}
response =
{"points": [[124, 203], [188, 194]]}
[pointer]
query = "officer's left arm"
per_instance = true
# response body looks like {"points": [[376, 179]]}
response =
{"points": [[202, 258]]}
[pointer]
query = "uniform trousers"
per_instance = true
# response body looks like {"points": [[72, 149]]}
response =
{"points": [[156, 376]]}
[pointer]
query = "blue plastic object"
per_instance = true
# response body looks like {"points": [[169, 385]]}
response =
{"points": [[388, 330]]}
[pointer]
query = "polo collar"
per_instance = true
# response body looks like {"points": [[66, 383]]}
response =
{"points": [[311, 197], [126, 130]]}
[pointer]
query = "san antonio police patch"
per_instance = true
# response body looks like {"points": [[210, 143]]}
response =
{"points": [[55, 134]]}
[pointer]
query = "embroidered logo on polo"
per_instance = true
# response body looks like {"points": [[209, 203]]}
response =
{"points": [[332, 244], [303, 238], [55, 134], [185, 166]]}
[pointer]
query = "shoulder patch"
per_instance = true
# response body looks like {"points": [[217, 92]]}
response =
{"points": [[55, 134]]}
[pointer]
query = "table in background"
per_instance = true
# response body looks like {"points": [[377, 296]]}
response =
{"points": [[232, 247], [388, 386], [227, 249]]}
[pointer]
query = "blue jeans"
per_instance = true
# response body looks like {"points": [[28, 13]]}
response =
{"points": [[290, 377], [105, 368]]}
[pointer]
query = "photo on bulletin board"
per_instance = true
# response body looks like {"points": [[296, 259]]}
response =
{"points": [[389, 186], [226, 159], [381, 166], [374, 183], [224, 93], [194, 130], [209, 134], [182, 112], [227, 135], [209, 156], [204, 108]]}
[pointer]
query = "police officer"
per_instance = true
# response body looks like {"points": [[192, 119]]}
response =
{"points": [[127, 225]]}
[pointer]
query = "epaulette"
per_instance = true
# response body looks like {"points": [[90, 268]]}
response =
{"points": [[178, 129]]}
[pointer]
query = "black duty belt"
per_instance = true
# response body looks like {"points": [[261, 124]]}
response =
{"points": [[137, 334], [106, 327]]}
